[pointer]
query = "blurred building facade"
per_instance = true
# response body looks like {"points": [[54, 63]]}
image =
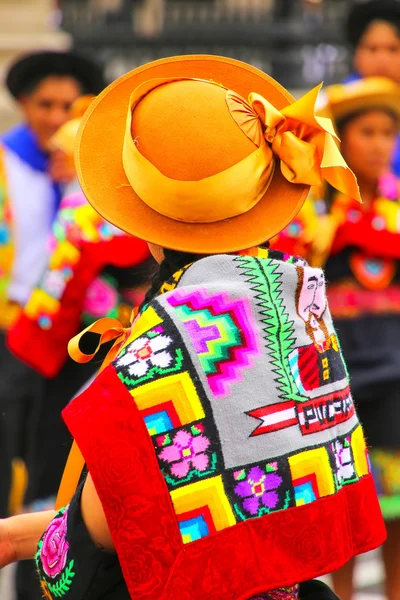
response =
{"points": [[300, 42], [25, 25]]}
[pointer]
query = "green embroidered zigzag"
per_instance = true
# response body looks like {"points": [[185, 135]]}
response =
{"points": [[265, 280]]}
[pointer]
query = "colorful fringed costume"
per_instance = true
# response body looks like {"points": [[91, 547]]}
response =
{"points": [[74, 288], [361, 253]]}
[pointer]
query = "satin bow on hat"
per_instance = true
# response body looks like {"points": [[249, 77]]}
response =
{"points": [[304, 142]]}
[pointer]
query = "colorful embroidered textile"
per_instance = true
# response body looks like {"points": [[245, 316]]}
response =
{"points": [[8, 312], [291, 593], [366, 243], [81, 246], [226, 464], [56, 569], [386, 471]]}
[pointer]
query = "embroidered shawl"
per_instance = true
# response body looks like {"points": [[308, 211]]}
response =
{"points": [[223, 440]]}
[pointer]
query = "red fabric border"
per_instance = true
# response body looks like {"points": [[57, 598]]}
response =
{"points": [[284, 548]]}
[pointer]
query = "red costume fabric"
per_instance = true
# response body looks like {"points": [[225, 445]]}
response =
{"points": [[83, 244]]}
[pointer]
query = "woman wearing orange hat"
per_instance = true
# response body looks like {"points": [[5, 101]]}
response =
{"points": [[224, 453]]}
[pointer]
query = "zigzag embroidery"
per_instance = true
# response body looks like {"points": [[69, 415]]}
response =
{"points": [[228, 344], [265, 280]]}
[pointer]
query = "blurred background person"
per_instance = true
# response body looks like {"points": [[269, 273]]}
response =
{"points": [[373, 31], [359, 247], [94, 271], [44, 85], [363, 268]]}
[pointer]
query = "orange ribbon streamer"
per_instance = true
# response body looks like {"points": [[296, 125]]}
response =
{"points": [[108, 329]]}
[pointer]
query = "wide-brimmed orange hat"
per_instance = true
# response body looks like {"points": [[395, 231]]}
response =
{"points": [[204, 154]]}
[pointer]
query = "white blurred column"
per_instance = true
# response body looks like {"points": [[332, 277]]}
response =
{"points": [[25, 25]]}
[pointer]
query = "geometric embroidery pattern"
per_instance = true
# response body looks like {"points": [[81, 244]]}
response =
{"points": [[223, 334], [201, 508], [311, 475], [168, 403], [360, 452]]}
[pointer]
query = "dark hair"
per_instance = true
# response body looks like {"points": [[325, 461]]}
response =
{"points": [[31, 84], [344, 121], [362, 14], [173, 262]]}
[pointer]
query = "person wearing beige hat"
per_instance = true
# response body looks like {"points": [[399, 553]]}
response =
{"points": [[214, 433], [359, 248]]}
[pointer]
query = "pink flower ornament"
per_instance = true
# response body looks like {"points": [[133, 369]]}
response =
{"points": [[55, 547], [186, 452]]}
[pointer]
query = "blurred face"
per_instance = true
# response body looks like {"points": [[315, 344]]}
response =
{"points": [[47, 107], [378, 53], [367, 144]]}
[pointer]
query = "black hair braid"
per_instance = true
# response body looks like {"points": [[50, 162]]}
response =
{"points": [[173, 262]]}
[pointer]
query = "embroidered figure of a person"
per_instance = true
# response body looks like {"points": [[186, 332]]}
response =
{"points": [[319, 363]]}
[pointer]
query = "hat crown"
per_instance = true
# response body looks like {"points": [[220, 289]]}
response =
{"points": [[185, 129]]}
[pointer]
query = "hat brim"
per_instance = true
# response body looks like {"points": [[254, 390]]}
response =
{"points": [[100, 170], [40, 65], [363, 95]]}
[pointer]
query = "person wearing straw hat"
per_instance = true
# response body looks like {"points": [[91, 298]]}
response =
{"points": [[373, 32], [363, 270], [360, 249], [217, 466]]}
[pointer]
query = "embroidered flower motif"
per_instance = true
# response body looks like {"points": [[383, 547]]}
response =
{"points": [[186, 452], [53, 553], [146, 352], [259, 489], [344, 463]]}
